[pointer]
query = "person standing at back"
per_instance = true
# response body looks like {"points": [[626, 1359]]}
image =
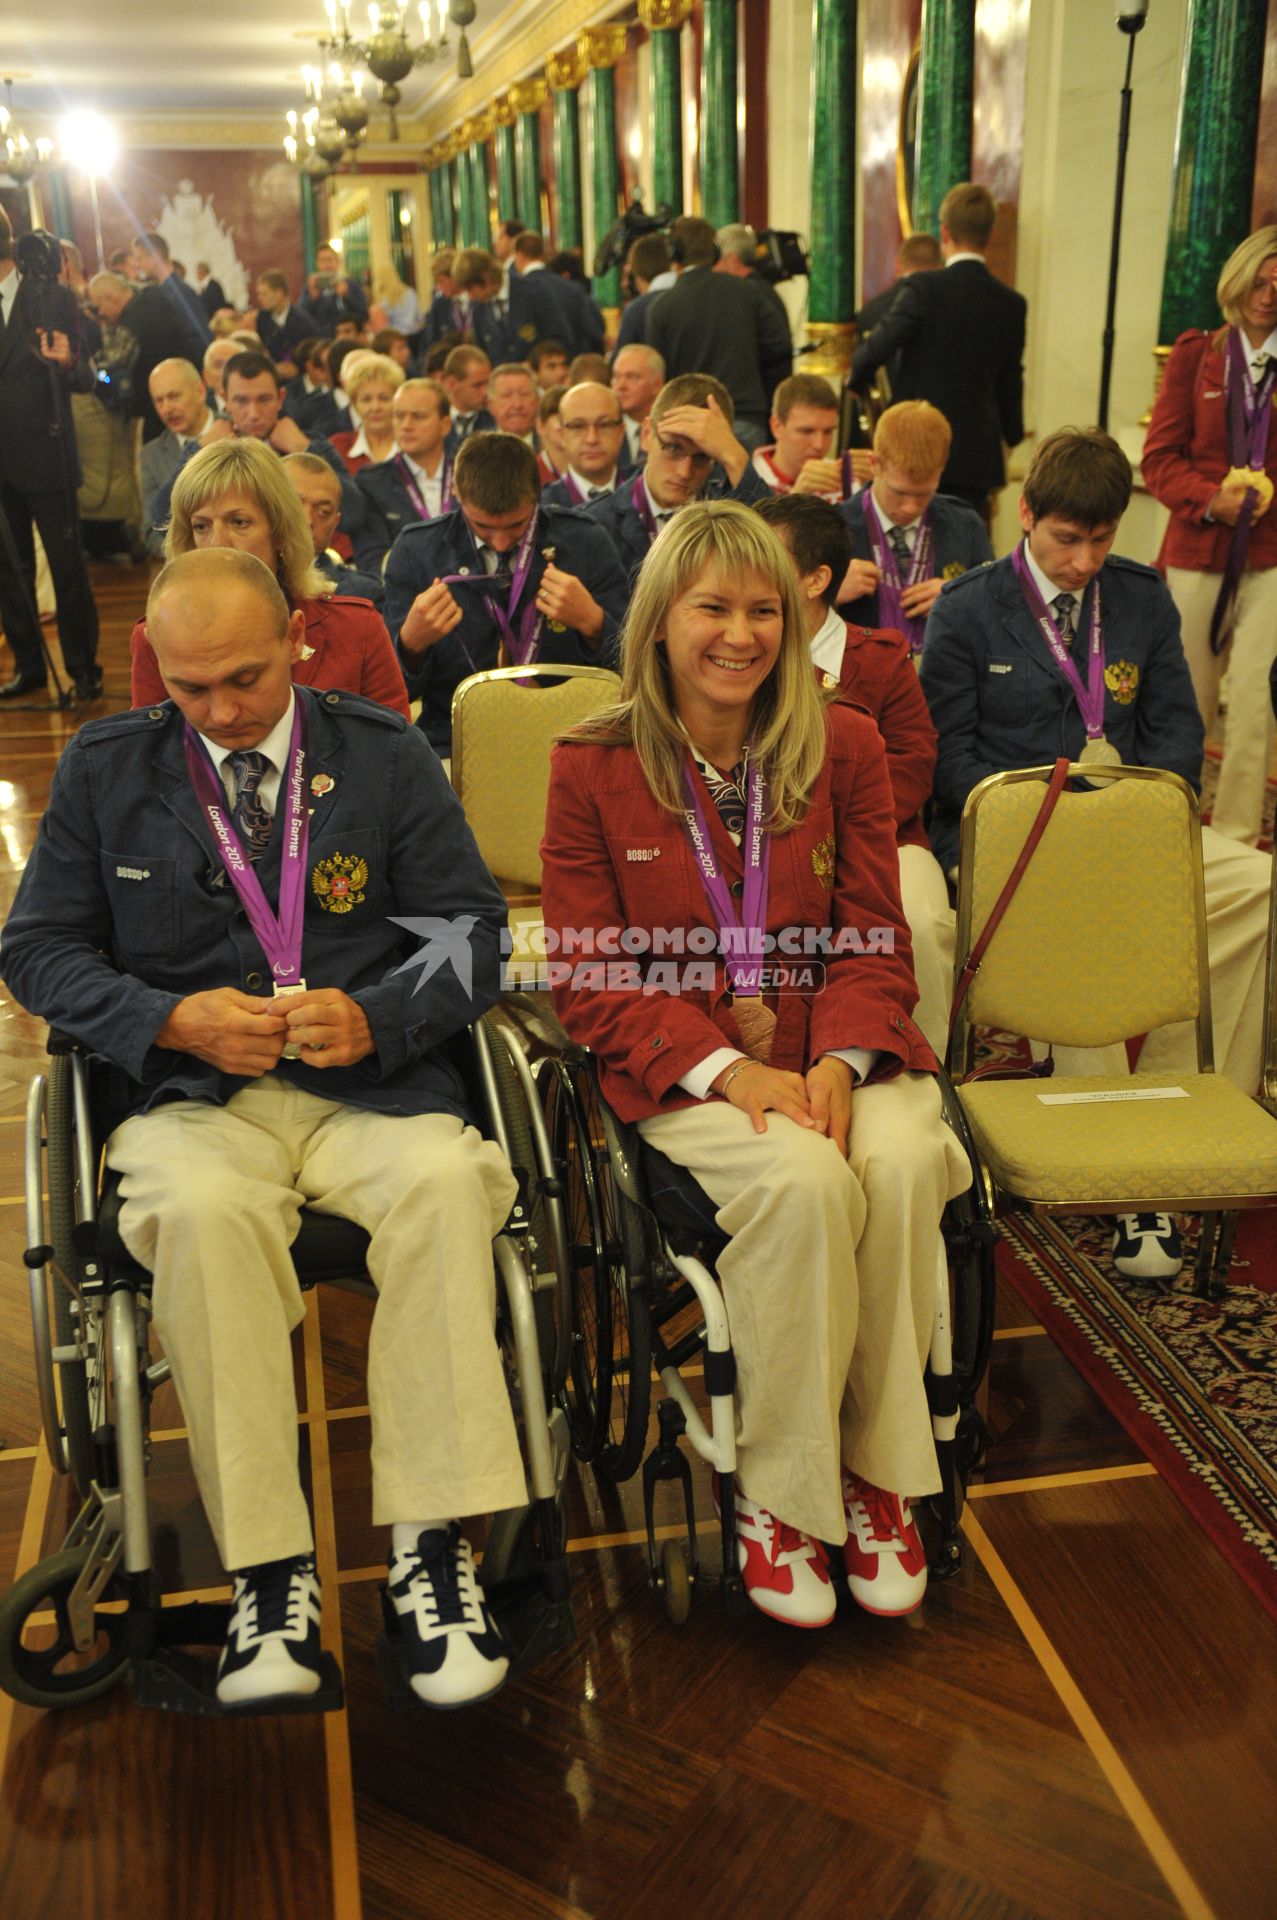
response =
{"points": [[959, 335]]}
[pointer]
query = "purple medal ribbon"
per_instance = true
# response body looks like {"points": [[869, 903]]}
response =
{"points": [[643, 508], [414, 493], [891, 611], [741, 937], [573, 492], [524, 648], [280, 937], [1249, 415], [1090, 698]]}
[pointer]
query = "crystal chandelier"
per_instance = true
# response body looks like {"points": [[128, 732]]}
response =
{"points": [[20, 156]]}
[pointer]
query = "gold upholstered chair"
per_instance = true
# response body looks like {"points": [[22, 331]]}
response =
{"points": [[1104, 940], [504, 723]]}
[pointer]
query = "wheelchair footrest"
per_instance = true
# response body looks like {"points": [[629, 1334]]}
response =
{"points": [[181, 1682]]}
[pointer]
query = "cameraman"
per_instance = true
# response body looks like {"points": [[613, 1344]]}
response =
{"points": [[40, 366]]}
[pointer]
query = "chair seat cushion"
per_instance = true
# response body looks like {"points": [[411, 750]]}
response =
{"points": [[1212, 1143], [677, 1200], [327, 1247]]}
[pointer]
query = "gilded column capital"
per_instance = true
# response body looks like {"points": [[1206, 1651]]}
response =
{"points": [[566, 70], [484, 124], [663, 15], [469, 132], [448, 148], [529, 96], [602, 46], [503, 110]]}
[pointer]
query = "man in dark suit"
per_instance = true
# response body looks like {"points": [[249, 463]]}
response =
{"points": [[141, 328], [281, 327], [466, 373], [594, 431], [416, 482], [39, 475], [507, 318], [959, 335], [714, 323], [691, 453], [309, 398], [499, 577], [449, 310], [177, 393], [149, 264], [208, 291], [907, 538], [918, 253], [576, 324], [649, 272], [319, 491], [331, 295]]}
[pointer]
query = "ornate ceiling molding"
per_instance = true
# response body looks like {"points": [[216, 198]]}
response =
{"points": [[555, 27]]}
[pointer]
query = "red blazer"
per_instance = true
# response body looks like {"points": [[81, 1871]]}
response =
{"points": [[1186, 457], [343, 443], [878, 674], [612, 858], [351, 652]]}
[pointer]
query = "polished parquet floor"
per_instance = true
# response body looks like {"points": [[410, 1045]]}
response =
{"points": [[1084, 1722]]}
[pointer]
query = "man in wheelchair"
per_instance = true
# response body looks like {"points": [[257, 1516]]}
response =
{"points": [[249, 834]]}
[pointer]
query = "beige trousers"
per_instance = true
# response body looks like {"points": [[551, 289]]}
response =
{"points": [[1236, 883], [1248, 656], [830, 1286], [211, 1202], [924, 894]]}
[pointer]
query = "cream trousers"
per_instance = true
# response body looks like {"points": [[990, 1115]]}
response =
{"points": [[830, 1286], [211, 1202], [924, 894], [1248, 736]]}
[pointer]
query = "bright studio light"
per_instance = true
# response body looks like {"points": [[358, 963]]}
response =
{"points": [[89, 142]]}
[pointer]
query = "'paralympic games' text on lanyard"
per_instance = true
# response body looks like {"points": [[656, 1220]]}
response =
{"points": [[1248, 413], [891, 612], [1089, 697], [742, 957], [524, 647], [414, 493], [280, 937]]}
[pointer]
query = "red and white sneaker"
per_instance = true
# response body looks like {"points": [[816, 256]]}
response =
{"points": [[785, 1572], [886, 1566]]}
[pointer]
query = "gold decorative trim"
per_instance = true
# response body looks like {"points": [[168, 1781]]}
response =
{"points": [[565, 70], [503, 110], [904, 209], [529, 96], [602, 46], [834, 341], [660, 16], [515, 60]]}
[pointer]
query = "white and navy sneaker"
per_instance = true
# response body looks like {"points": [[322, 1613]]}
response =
{"points": [[272, 1643], [1146, 1246], [449, 1645]]}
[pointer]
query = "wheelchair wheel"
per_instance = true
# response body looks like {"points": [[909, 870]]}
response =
{"points": [[551, 1303], [676, 1582], [610, 1373], [64, 1215], [39, 1663]]}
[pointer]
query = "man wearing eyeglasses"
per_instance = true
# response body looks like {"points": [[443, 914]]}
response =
{"points": [[593, 428], [692, 454]]}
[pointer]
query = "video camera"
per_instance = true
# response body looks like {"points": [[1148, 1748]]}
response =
{"points": [[38, 255], [779, 254]]}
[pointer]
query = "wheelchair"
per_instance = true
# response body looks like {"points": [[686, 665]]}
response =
{"points": [[642, 1242], [91, 1614]]}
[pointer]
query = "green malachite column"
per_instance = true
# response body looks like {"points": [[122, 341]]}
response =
{"points": [[602, 47], [664, 21], [831, 292], [946, 68], [449, 231], [565, 72], [507, 180], [481, 190], [720, 190], [527, 97], [1214, 164], [310, 223], [437, 237], [465, 198]]}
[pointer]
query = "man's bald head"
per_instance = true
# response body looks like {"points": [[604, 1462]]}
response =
{"points": [[177, 394], [225, 644]]}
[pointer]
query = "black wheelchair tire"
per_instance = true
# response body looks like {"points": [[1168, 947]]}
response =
{"points": [[73, 1379], [552, 1307], [611, 1355], [29, 1674]]}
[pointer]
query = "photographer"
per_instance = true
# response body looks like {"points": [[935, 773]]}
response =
{"points": [[40, 365]]}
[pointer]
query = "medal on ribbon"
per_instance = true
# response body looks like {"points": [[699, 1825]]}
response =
{"points": [[1088, 694], [741, 936], [1248, 414], [891, 592]]}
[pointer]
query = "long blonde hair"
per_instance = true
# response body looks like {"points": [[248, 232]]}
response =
{"points": [[247, 466], [789, 715], [1241, 270]]}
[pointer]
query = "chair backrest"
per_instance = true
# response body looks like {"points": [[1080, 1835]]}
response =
{"points": [[1105, 937], [1268, 1093], [503, 725]]}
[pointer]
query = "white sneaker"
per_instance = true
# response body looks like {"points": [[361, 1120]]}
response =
{"points": [[785, 1572], [1146, 1246], [272, 1643], [448, 1643]]}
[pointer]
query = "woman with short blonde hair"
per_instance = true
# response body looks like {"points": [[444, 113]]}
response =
{"points": [[236, 493], [370, 381]]}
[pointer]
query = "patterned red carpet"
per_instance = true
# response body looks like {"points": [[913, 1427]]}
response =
{"points": [[1194, 1382]]}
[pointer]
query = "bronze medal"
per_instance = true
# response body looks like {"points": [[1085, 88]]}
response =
{"points": [[1255, 478]]}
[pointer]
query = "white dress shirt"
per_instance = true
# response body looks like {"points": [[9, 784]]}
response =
{"points": [[274, 746], [431, 490], [829, 645]]}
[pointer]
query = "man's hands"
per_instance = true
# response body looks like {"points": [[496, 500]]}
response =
{"points": [[432, 614], [862, 577], [820, 1100], [561, 596], [330, 1028], [918, 600], [56, 347], [245, 1035], [819, 476], [217, 429], [707, 429], [1227, 504], [235, 1032], [287, 437]]}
